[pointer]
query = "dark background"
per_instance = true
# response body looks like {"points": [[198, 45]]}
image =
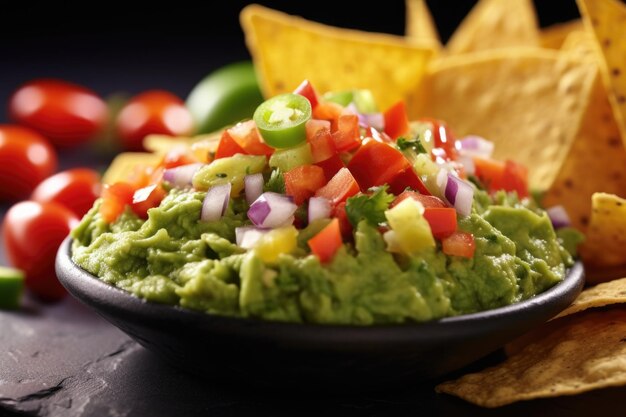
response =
{"points": [[113, 46]]}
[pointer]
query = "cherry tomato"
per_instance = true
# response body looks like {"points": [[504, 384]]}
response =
{"points": [[65, 113], [26, 159], [32, 233], [76, 189], [152, 112]]}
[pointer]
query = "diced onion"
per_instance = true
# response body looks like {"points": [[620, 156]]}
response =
{"points": [[253, 187], [476, 146], [458, 193], [468, 164], [272, 210], [248, 236], [215, 203], [181, 176], [319, 208], [375, 120], [559, 217]]}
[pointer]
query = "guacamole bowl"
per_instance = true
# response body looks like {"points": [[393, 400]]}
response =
{"points": [[256, 350]]}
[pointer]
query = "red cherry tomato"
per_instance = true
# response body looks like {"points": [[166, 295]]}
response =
{"points": [[32, 233], [152, 112], [65, 113], [26, 159], [76, 189]]}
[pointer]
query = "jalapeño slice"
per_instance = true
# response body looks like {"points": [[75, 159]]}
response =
{"points": [[281, 120]]}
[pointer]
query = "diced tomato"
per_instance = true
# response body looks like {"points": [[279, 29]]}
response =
{"points": [[376, 163], [331, 166], [498, 175], [407, 179], [177, 157], [330, 111], [339, 212], [227, 147], [326, 243], [442, 221], [444, 144], [340, 187], [305, 89], [459, 244], [114, 198], [146, 198], [426, 200], [303, 181], [320, 139], [396, 121], [348, 136], [247, 137], [515, 178]]}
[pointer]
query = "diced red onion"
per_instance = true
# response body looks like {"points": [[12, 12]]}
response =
{"points": [[476, 146], [272, 210], [319, 208], [181, 176], [375, 120], [248, 236], [215, 203], [458, 193], [559, 217], [253, 187]]}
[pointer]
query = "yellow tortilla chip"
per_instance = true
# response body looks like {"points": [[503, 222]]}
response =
{"points": [[601, 295], [530, 102], [597, 149], [580, 44], [553, 36], [606, 19], [419, 22], [164, 143], [606, 235], [124, 164], [494, 24], [288, 49], [583, 352]]}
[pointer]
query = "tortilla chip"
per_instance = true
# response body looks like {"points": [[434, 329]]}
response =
{"points": [[530, 102], [288, 49], [601, 295], [419, 22], [597, 149], [125, 163], [494, 24], [606, 235], [606, 19], [164, 143], [580, 44], [584, 352], [553, 36]]}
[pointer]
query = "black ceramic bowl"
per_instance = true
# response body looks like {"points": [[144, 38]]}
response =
{"points": [[264, 350]]}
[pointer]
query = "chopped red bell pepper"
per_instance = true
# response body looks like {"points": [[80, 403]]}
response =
{"points": [[396, 121], [247, 137], [302, 182], [442, 221], [320, 139], [340, 187], [326, 243], [426, 200], [376, 163], [348, 136], [330, 111], [305, 89], [407, 179], [227, 147], [331, 166]]}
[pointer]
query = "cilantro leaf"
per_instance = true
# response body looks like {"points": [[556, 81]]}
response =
{"points": [[414, 144], [369, 207], [276, 182]]}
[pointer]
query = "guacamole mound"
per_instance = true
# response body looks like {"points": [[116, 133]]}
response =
{"points": [[174, 258]]}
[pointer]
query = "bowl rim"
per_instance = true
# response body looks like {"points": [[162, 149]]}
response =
{"points": [[554, 299]]}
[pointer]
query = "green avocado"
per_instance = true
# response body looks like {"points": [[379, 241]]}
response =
{"points": [[174, 258], [226, 96]]}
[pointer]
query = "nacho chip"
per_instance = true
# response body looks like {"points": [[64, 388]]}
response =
{"points": [[287, 49], [553, 36], [606, 235], [597, 149], [125, 163], [528, 101], [494, 24], [583, 352], [580, 44], [419, 22], [606, 19], [601, 295]]}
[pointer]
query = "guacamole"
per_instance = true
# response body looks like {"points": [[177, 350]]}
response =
{"points": [[335, 223]]}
